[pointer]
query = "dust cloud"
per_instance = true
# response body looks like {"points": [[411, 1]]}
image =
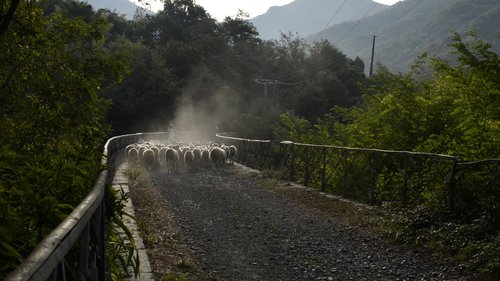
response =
{"points": [[205, 108]]}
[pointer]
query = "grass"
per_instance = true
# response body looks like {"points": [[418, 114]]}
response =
{"points": [[134, 172], [173, 277], [185, 264]]}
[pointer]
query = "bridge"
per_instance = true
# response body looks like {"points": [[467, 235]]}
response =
{"points": [[374, 177]]}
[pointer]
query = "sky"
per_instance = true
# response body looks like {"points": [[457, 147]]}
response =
{"points": [[220, 9]]}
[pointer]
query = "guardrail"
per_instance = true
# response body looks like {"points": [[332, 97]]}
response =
{"points": [[373, 176], [83, 229]]}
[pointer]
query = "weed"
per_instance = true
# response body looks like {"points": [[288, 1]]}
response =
{"points": [[173, 277], [184, 264], [134, 172]]}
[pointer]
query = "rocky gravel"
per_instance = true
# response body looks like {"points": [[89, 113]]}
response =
{"points": [[239, 229]]}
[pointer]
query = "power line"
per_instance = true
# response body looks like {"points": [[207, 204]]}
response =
{"points": [[328, 65], [331, 19], [262, 81], [283, 77], [342, 59], [360, 20]]}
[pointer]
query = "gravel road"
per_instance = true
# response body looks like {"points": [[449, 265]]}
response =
{"points": [[238, 229]]}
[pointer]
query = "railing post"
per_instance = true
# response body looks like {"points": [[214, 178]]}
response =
{"points": [[451, 186], [404, 195], [292, 162], [306, 166], [100, 243], [346, 173], [263, 155], [323, 171], [84, 253], [372, 184]]}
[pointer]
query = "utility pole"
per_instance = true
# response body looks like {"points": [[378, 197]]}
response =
{"points": [[373, 53], [266, 83]]}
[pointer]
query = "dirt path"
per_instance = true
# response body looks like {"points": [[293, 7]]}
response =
{"points": [[235, 229]]}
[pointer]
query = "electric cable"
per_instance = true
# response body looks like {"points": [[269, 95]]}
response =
{"points": [[331, 19], [360, 20]]}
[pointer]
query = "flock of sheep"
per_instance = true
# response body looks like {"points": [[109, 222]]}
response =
{"points": [[176, 157]]}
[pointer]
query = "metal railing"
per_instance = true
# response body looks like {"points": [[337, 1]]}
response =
{"points": [[82, 230], [376, 177]]}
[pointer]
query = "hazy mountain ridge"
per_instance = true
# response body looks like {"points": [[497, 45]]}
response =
{"points": [[412, 27], [309, 16], [122, 7]]}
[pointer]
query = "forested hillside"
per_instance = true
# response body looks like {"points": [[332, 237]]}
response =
{"points": [[409, 28], [311, 16], [121, 7], [70, 77]]}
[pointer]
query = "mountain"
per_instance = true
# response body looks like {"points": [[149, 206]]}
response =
{"points": [[310, 16], [121, 7], [412, 27]]}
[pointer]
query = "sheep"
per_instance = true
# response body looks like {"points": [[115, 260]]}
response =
{"points": [[205, 157], [148, 158], [129, 147], [133, 156], [162, 155], [175, 156], [197, 157], [218, 157], [141, 150], [226, 149], [156, 150], [188, 160], [171, 160], [233, 151]]}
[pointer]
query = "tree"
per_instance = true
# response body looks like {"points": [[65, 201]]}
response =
{"points": [[147, 96], [450, 110], [7, 10], [52, 121], [238, 29]]}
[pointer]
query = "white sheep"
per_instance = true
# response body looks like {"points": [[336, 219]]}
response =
{"points": [[148, 158], [188, 160], [129, 147], [141, 149], [133, 156], [218, 157], [171, 160], [162, 155], [205, 157], [233, 151], [197, 157]]}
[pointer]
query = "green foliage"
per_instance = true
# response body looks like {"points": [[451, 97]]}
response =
{"points": [[121, 250], [52, 120], [294, 129], [450, 110], [474, 246], [173, 277], [10, 250], [148, 93], [436, 108], [253, 126]]}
